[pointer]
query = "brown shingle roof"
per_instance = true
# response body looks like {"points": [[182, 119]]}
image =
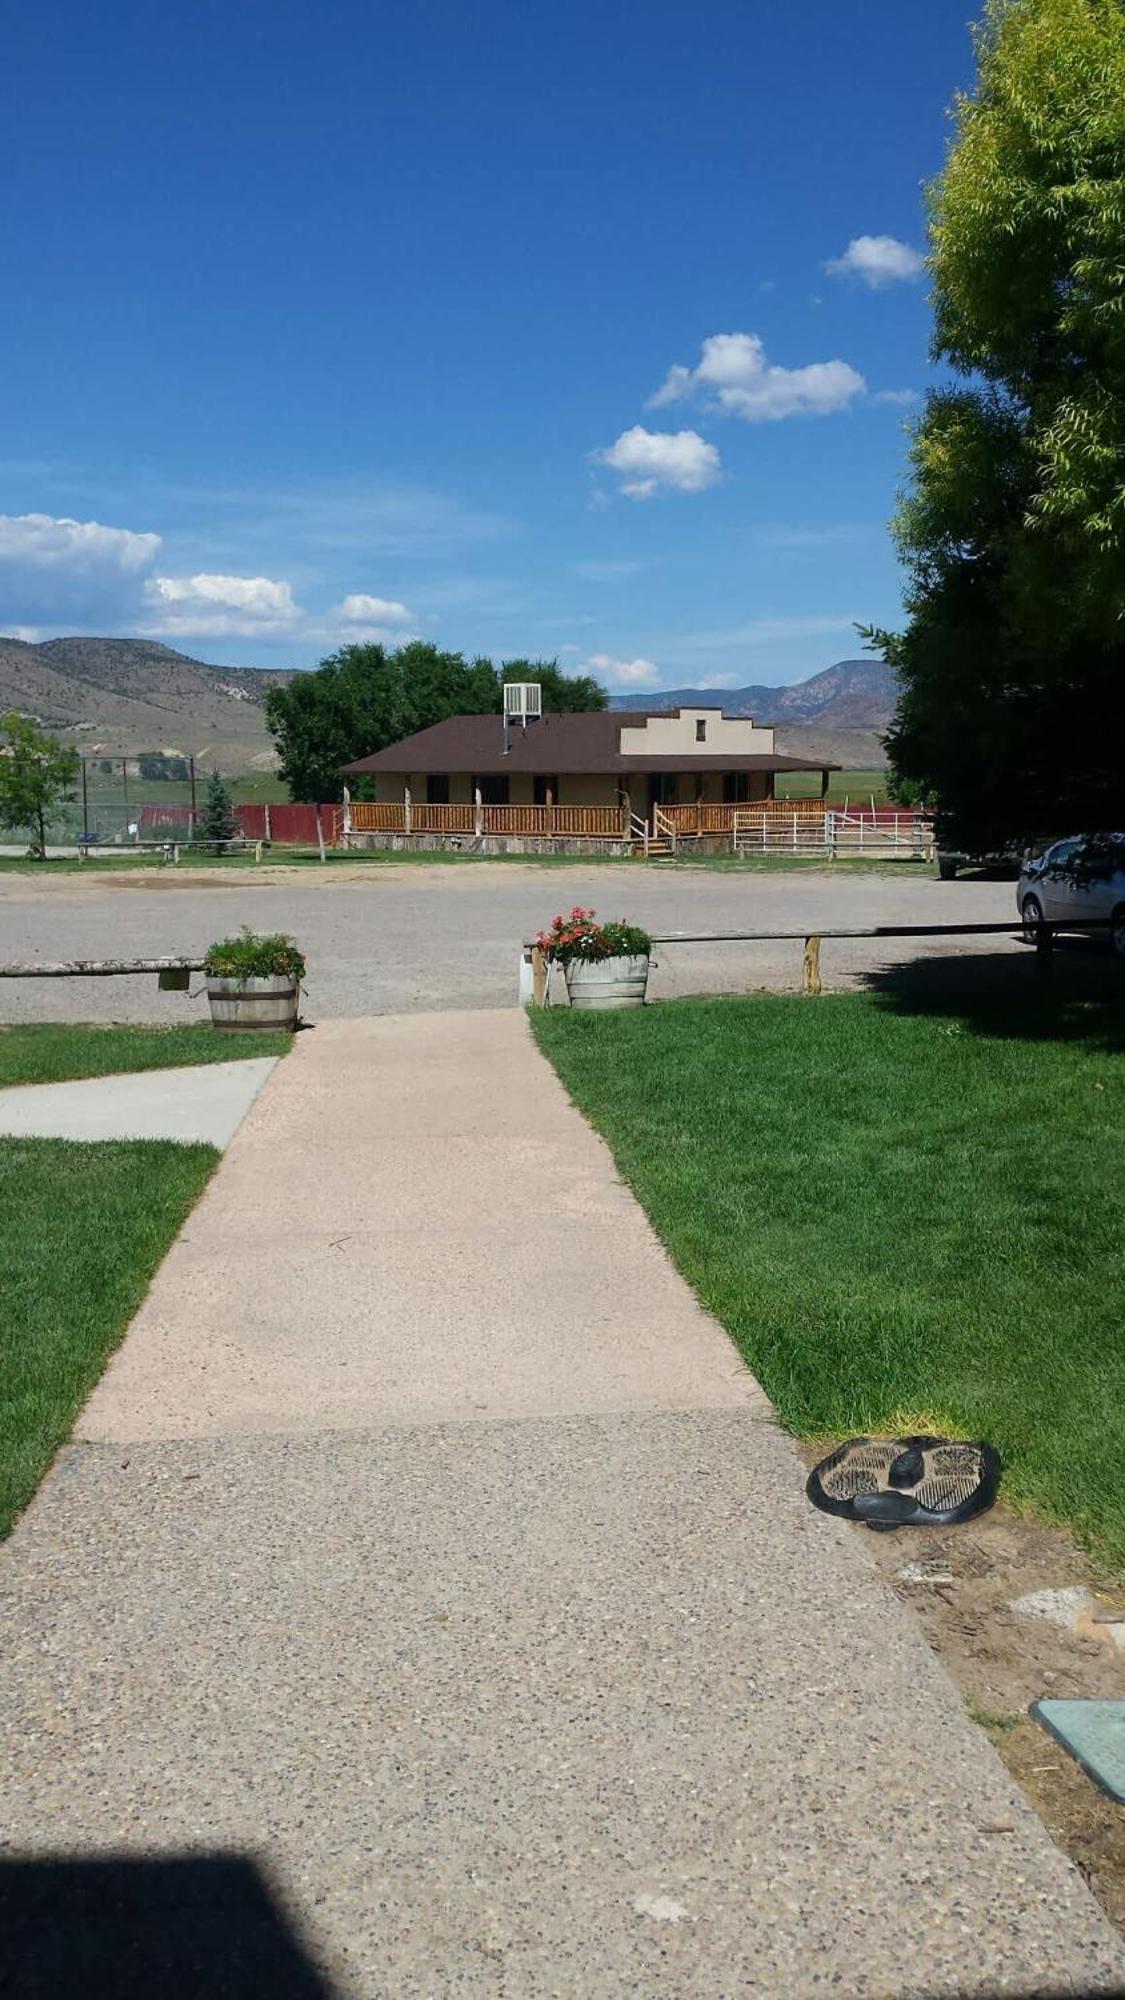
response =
{"points": [[557, 745]]}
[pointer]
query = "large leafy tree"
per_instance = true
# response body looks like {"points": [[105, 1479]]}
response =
{"points": [[363, 697], [1013, 530], [37, 775]]}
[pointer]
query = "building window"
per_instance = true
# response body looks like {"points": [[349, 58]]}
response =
{"points": [[437, 791], [542, 785], [493, 788], [701, 729], [736, 787]]}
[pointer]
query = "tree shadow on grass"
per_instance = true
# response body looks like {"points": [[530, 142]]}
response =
{"points": [[196, 1927], [1080, 999]]}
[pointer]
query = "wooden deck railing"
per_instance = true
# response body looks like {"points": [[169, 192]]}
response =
{"points": [[764, 822], [541, 822], [436, 819], [370, 817]]}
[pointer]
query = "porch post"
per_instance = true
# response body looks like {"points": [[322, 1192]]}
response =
{"points": [[824, 784], [550, 813], [407, 810], [478, 813]]}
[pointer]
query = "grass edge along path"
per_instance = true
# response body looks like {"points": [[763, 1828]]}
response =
{"points": [[82, 1231], [904, 1219], [434, 857], [35, 1052]]}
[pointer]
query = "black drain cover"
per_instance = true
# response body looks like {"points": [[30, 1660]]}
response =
{"points": [[906, 1482]]}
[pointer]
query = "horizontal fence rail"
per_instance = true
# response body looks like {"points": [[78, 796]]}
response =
{"points": [[94, 968], [1042, 935]]}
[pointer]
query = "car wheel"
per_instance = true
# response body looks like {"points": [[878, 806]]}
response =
{"points": [[1117, 930], [1031, 910]]}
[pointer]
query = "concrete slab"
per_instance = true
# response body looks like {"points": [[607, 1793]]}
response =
{"points": [[339, 1274], [205, 1103], [591, 1706], [572, 1694]]}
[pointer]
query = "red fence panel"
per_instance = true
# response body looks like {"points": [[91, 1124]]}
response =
{"points": [[291, 825]]}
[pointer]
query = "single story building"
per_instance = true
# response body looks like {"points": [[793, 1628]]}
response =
{"points": [[598, 774]]}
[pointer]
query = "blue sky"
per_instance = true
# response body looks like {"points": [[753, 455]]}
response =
{"points": [[511, 326]]}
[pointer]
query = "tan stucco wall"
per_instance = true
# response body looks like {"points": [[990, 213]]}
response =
{"points": [[674, 736]]}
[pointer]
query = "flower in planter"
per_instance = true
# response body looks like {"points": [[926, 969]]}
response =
{"points": [[580, 938], [252, 955]]}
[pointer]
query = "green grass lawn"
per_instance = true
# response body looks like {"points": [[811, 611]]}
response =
{"points": [[82, 1229], [857, 787], [905, 1219], [50, 1054]]}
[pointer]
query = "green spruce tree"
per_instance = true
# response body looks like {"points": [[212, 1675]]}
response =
{"points": [[217, 824]]}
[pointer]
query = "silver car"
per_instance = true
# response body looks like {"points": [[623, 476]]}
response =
{"points": [[1076, 880]]}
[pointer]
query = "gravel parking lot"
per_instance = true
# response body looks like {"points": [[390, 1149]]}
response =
{"points": [[388, 940]]}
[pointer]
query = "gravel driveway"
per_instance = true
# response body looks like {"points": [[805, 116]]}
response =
{"points": [[387, 940]]}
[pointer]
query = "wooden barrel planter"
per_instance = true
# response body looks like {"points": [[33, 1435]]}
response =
{"points": [[251, 1006], [608, 982]]}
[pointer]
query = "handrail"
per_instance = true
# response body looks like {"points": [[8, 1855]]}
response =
{"points": [[1048, 924]]}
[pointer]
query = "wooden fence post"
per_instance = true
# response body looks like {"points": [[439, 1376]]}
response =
{"points": [[538, 977], [810, 980]]}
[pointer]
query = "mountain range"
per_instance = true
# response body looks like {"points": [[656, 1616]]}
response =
{"points": [[119, 697], [854, 694]]}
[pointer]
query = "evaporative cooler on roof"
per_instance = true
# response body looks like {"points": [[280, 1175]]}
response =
{"points": [[523, 701]]}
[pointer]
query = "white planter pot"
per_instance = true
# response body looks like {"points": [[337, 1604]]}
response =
{"points": [[608, 982], [247, 1006]]}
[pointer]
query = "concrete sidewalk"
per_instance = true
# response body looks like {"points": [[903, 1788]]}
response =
{"points": [[430, 1547], [201, 1103]]}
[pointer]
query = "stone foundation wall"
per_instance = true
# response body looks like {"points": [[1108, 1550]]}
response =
{"points": [[489, 843]]}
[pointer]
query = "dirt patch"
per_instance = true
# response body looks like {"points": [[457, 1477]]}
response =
{"points": [[1002, 1662]]}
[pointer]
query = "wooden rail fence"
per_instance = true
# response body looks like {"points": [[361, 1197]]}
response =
{"points": [[1043, 937]]}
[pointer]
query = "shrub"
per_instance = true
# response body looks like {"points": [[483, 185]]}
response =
{"points": [[579, 936], [251, 955]]}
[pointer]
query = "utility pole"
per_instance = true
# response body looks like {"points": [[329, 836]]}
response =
{"points": [[191, 770], [85, 806]]}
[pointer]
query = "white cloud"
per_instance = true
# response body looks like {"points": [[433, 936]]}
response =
{"points": [[645, 461], [734, 376], [624, 673], [359, 609], [221, 606], [44, 541], [59, 574], [903, 397], [877, 261]]}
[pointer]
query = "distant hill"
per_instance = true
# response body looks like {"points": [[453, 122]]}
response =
{"points": [[117, 697], [854, 694]]}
